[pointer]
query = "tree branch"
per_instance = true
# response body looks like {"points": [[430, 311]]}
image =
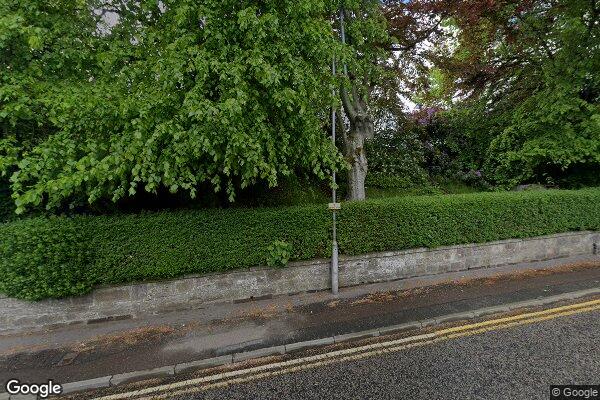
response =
{"points": [[347, 103]]}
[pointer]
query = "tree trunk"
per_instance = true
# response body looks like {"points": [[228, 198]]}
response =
{"points": [[355, 95], [361, 128], [357, 158]]}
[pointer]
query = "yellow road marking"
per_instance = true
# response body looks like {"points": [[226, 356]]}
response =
{"points": [[352, 354], [550, 311]]}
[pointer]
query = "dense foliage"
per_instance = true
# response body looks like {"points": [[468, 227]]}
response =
{"points": [[102, 100], [514, 85], [57, 257], [44, 258], [140, 101], [397, 159], [526, 74], [7, 206]]}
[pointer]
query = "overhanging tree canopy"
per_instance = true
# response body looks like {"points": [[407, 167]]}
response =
{"points": [[532, 68], [174, 94]]}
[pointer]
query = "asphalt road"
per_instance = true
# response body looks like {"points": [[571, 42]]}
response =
{"points": [[514, 363]]}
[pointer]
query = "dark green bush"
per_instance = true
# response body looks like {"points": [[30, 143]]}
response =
{"points": [[42, 258], [48, 257], [279, 254], [388, 181], [168, 244], [7, 204], [397, 158], [431, 221], [57, 257]]}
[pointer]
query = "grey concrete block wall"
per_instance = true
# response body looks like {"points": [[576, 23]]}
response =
{"points": [[135, 300]]}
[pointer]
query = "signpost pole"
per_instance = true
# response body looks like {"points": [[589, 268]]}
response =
{"points": [[334, 205]]}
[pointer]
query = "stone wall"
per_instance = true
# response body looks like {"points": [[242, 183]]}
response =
{"points": [[130, 301]]}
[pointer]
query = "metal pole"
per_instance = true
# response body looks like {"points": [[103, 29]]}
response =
{"points": [[343, 35], [334, 247]]}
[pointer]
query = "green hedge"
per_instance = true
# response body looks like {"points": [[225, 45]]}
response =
{"points": [[151, 246], [58, 257], [433, 221], [44, 258]]}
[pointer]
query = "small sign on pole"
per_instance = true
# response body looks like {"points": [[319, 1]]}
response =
{"points": [[335, 206]]}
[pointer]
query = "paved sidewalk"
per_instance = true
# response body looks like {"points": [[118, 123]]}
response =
{"points": [[89, 351]]}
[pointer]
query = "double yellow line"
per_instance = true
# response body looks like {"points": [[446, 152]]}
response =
{"points": [[352, 354]]}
